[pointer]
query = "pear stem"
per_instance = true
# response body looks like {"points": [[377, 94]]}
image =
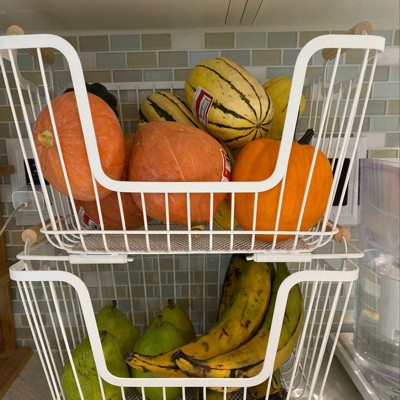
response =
{"points": [[171, 304]]}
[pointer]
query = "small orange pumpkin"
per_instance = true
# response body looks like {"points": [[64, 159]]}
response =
{"points": [[110, 142], [256, 162], [110, 210], [176, 152]]}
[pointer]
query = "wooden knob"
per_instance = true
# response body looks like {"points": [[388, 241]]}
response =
{"points": [[33, 234], [47, 54], [363, 27]]}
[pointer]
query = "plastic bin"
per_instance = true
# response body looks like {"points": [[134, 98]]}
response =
{"points": [[377, 324]]}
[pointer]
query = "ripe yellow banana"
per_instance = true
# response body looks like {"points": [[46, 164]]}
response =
{"points": [[231, 279], [236, 326], [276, 390], [247, 360]]}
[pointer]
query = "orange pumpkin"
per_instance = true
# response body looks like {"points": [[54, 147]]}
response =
{"points": [[176, 152], [110, 209], [110, 142], [256, 162]]}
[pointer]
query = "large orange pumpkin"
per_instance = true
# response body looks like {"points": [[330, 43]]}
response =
{"points": [[256, 162], [110, 142], [176, 152], [110, 210]]}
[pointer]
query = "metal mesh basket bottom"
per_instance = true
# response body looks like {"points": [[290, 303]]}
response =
{"points": [[179, 243], [190, 394]]}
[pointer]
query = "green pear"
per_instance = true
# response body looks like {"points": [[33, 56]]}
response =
{"points": [[86, 370], [176, 314], [160, 337], [113, 320]]}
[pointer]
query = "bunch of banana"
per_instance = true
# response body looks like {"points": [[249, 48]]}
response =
{"points": [[247, 359], [236, 326], [231, 279], [276, 390]]}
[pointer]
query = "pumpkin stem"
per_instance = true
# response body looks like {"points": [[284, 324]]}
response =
{"points": [[45, 138], [306, 138]]}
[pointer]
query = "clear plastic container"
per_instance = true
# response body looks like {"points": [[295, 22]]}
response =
{"points": [[377, 324]]}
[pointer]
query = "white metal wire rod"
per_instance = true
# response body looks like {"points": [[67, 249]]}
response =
{"points": [[23, 288], [43, 339], [302, 337], [146, 300], [204, 283], [78, 231], [113, 283], [160, 283], [128, 273], [73, 296], [327, 99], [351, 117], [80, 313], [254, 221], [189, 226], [58, 144], [16, 122], [232, 219], [64, 336], [279, 209], [54, 325], [357, 136], [332, 353], [59, 216], [146, 226], [321, 321], [313, 322], [120, 113], [31, 102], [174, 282], [123, 221], [325, 340], [190, 283], [324, 130], [99, 285], [102, 392], [211, 217], [335, 118], [123, 393]]}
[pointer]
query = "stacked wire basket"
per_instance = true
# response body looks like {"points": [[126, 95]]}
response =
{"points": [[59, 299]]}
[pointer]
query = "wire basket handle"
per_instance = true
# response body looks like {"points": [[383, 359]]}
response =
{"points": [[47, 54], [362, 28]]}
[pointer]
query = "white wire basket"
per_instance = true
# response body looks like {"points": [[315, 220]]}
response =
{"points": [[336, 108], [61, 301]]}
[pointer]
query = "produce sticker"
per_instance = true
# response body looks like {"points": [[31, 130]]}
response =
{"points": [[202, 101], [226, 167], [86, 220]]}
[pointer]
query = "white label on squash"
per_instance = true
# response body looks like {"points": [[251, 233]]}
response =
{"points": [[202, 101], [86, 220], [226, 167]]}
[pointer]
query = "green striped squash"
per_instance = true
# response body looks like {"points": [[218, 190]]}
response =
{"points": [[166, 106], [229, 102]]}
